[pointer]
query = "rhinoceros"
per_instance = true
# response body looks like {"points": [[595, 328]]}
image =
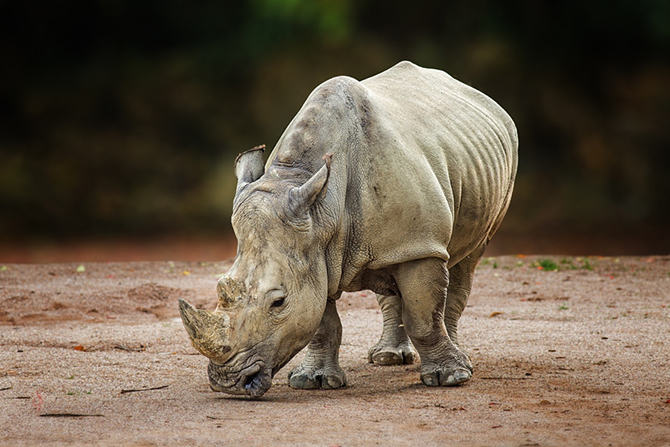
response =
{"points": [[394, 184]]}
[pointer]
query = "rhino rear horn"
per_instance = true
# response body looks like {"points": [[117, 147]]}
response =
{"points": [[249, 166], [303, 197], [207, 330], [230, 292]]}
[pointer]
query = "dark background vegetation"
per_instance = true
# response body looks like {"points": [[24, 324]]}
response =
{"points": [[121, 119]]}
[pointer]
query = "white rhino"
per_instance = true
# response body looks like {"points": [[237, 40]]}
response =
{"points": [[394, 184]]}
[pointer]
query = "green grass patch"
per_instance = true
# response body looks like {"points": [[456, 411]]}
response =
{"points": [[564, 264], [547, 265], [587, 265]]}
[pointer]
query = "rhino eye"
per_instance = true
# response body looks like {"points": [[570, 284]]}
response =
{"points": [[277, 298], [279, 302]]}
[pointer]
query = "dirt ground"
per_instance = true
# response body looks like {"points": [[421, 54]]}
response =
{"points": [[95, 354]]}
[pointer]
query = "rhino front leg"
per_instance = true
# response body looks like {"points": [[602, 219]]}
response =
{"points": [[320, 367], [423, 287], [394, 346]]}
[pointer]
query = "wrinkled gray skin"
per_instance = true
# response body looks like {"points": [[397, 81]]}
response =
{"points": [[420, 177]]}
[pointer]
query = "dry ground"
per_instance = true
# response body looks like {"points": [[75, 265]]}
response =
{"points": [[579, 356]]}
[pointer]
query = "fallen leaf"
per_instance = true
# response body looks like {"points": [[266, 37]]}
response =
{"points": [[186, 272], [79, 348], [3, 268], [81, 268], [495, 314]]}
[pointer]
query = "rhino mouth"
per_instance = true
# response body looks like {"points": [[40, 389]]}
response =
{"points": [[254, 380]]}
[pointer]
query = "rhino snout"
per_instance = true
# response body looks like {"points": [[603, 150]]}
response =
{"points": [[253, 381]]}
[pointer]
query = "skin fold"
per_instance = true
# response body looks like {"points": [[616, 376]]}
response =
{"points": [[394, 184]]}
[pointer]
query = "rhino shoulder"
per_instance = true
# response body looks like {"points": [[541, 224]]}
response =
{"points": [[332, 111]]}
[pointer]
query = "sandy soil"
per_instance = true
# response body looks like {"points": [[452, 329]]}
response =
{"points": [[96, 355]]}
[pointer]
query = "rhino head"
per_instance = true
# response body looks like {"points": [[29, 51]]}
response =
{"points": [[271, 301]]}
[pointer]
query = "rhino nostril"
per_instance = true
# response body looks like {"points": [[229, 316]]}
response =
{"points": [[253, 381]]}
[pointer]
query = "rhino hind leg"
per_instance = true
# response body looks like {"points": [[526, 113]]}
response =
{"points": [[320, 367], [460, 285], [394, 347], [423, 287]]}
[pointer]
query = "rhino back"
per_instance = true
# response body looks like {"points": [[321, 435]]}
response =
{"points": [[453, 157], [423, 166]]}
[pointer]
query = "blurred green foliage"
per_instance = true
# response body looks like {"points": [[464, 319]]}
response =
{"points": [[124, 117]]}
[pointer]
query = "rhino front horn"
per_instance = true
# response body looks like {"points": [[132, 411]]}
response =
{"points": [[207, 330]]}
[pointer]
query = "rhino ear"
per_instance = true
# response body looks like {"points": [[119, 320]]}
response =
{"points": [[249, 166], [303, 197]]}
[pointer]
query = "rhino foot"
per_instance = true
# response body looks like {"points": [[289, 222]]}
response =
{"points": [[306, 378], [453, 371], [439, 377], [388, 354]]}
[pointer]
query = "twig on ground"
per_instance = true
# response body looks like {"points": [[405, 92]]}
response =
{"points": [[506, 378], [144, 389], [126, 348], [69, 415]]}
